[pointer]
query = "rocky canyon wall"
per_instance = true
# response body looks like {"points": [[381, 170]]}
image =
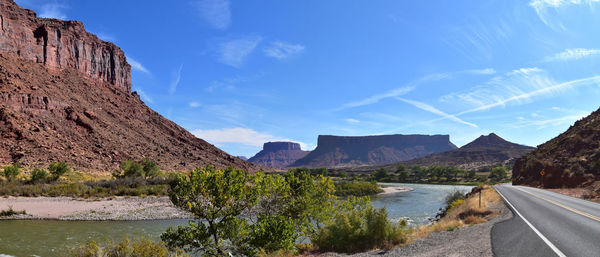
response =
{"points": [[61, 44]]}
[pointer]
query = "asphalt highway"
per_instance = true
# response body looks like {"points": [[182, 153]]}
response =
{"points": [[546, 224]]}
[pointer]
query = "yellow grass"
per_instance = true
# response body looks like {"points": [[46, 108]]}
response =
{"points": [[469, 210]]}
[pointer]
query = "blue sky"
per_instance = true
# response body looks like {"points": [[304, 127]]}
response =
{"points": [[239, 73]]}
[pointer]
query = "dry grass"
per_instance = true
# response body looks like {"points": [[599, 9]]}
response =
{"points": [[467, 213]]}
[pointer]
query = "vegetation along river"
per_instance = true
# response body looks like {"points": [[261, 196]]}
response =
{"points": [[50, 237]]}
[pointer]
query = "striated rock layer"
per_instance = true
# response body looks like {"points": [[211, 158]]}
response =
{"points": [[278, 154], [340, 151], [65, 96], [571, 159], [61, 44]]}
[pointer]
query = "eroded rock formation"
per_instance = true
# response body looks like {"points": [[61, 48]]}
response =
{"points": [[278, 154], [340, 151], [65, 96], [61, 44]]}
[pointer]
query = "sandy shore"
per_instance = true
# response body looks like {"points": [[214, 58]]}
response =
{"points": [[395, 189], [116, 208]]}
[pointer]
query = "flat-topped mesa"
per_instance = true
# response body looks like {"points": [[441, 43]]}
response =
{"points": [[276, 146], [353, 151], [278, 154], [61, 44]]}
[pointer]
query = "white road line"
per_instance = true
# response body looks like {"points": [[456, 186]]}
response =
{"points": [[552, 246]]}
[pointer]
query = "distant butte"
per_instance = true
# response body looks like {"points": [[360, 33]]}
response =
{"points": [[345, 151], [278, 154]]}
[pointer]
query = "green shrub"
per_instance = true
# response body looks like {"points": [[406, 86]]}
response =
{"points": [[132, 169], [356, 188], [58, 169], [38, 175], [498, 174], [358, 226], [141, 247], [10, 212], [11, 172], [150, 168], [453, 197]]}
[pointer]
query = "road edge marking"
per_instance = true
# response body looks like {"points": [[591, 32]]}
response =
{"points": [[582, 213], [550, 244]]}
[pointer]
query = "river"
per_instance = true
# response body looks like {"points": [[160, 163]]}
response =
{"points": [[22, 238]]}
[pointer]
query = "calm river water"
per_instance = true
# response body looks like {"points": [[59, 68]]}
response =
{"points": [[23, 238]]}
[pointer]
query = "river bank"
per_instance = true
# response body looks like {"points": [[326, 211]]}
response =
{"points": [[114, 208], [395, 189]]}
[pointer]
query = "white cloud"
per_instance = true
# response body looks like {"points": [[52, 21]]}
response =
{"points": [[487, 71], [195, 104], [282, 50], [377, 98], [217, 13], [234, 52], [501, 87], [176, 80], [143, 95], [53, 10], [217, 84], [573, 54], [570, 119], [431, 109], [546, 90], [244, 136], [136, 65], [412, 85], [350, 120], [541, 8]]}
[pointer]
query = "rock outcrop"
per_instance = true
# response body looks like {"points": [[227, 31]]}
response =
{"points": [[65, 96], [484, 151], [278, 154], [61, 44], [571, 159], [340, 151]]}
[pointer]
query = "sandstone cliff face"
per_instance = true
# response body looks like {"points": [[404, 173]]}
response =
{"points": [[65, 96], [484, 151], [571, 159], [278, 154], [61, 44], [337, 151]]}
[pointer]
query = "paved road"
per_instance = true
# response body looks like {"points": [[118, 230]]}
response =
{"points": [[546, 224]]}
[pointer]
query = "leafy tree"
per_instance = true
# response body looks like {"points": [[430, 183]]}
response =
{"points": [[58, 169], [403, 175], [401, 168], [38, 175], [150, 168], [343, 174], [244, 214], [380, 174], [216, 198], [469, 173], [11, 172], [131, 169], [498, 173]]}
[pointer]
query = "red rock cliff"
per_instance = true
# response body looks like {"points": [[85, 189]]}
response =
{"points": [[61, 44]]}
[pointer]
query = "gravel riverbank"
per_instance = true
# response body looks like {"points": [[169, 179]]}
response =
{"points": [[115, 208]]}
